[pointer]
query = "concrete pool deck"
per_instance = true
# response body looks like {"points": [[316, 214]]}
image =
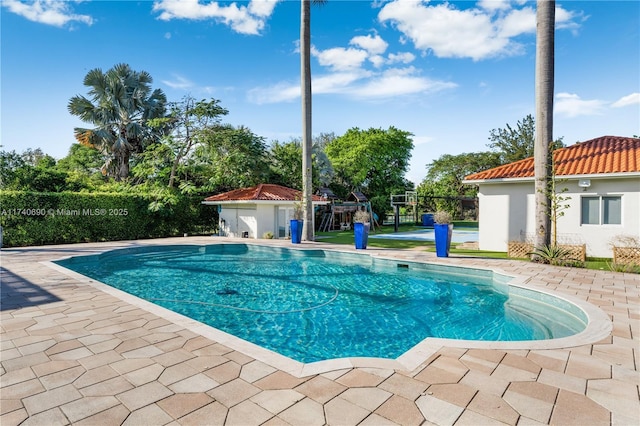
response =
{"points": [[75, 352]]}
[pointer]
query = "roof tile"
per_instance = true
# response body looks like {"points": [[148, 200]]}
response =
{"points": [[607, 154], [262, 192]]}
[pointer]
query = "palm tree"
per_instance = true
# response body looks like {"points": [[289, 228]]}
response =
{"points": [[120, 105], [305, 88], [544, 118]]}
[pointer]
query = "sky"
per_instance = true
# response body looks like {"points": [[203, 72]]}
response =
{"points": [[448, 72]]}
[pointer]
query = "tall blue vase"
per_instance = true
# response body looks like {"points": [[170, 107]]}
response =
{"points": [[296, 230], [361, 235], [443, 238]]}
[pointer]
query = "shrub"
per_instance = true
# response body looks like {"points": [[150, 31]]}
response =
{"points": [[34, 218]]}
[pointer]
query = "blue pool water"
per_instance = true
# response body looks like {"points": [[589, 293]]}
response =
{"points": [[313, 305], [458, 235]]}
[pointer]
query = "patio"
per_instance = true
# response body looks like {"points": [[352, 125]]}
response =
{"points": [[75, 352]]}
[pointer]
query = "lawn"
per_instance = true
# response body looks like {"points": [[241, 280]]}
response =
{"points": [[346, 237]]}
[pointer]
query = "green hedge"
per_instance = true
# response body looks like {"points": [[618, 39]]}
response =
{"points": [[33, 218]]}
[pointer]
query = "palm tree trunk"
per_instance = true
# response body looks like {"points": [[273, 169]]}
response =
{"points": [[544, 118], [305, 86]]}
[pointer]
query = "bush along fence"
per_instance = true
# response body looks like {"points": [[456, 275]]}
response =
{"points": [[32, 218]]}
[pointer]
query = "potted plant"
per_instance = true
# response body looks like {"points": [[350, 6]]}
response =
{"points": [[361, 229], [296, 223], [443, 229]]}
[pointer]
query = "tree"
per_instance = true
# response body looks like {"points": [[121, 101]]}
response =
{"points": [[232, 157], [305, 95], [517, 144], [188, 119], [121, 104], [445, 174], [373, 161], [545, 18]]}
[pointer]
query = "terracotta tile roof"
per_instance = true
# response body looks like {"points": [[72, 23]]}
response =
{"points": [[262, 192], [607, 154]]}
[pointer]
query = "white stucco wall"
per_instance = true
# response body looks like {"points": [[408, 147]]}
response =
{"points": [[236, 219], [507, 213]]}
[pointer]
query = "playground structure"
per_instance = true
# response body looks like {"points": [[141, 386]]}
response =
{"points": [[338, 216], [462, 205]]}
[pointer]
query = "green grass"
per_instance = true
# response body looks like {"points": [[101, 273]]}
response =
{"points": [[346, 237]]}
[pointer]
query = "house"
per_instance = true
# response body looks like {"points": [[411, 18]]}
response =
{"points": [[253, 212], [600, 179]]}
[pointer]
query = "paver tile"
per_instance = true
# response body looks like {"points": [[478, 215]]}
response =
{"points": [[85, 407], [16, 376], [471, 418], [616, 396], [22, 389], [179, 405], [149, 415], [489, 384], [143, 395], [145, 374], [320, 389], [247, 413], [306, 412], [62, 378], [404, 386], [494, 407], [233, 392], [277, 400], [225, 372], [587, 367], [368, 398], [50, 399], [212, 414], [14, 417], [197, 383], [108, 387], [574, 409], [176, 373], [255, 370], [174, 357], [339, 411], [562, 381], [457, 394], [376, 420], [360, 378], [437, 411], [126, 365], [400, 410], [278, 380], [528, 406], [51, 417]]}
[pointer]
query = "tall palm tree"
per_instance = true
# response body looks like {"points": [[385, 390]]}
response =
{"points": [[120, 105], [305, 89], [545, 17]]}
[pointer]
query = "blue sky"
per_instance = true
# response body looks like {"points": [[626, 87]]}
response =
{"points": [[448, 72]]}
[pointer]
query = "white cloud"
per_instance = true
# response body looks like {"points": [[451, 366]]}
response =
{"points": [[360, 84], [632, 99], [179, 82], [571, 105], [485, 31], [422, 140], [398, 82], [340, 58], [375, 45], [404, 57], [446, 31], [243, 19], [51, 12], [494, 5]]}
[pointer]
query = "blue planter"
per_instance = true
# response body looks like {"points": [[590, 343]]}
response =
{"points": [[361, 235], [443, 238], [296, 230]]}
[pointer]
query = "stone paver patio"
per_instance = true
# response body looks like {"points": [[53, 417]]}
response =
{"points": [[75, 352]]}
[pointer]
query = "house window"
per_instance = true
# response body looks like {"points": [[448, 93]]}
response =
{"points": [[601, 210]]}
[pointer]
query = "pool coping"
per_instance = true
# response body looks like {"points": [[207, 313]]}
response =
{"points": [[599, 325]]}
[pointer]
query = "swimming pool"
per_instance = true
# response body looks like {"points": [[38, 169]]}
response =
{"points": [[458, 236], [313, 305]]}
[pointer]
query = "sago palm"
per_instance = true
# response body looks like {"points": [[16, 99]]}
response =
{"points": [[120, 103]]}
